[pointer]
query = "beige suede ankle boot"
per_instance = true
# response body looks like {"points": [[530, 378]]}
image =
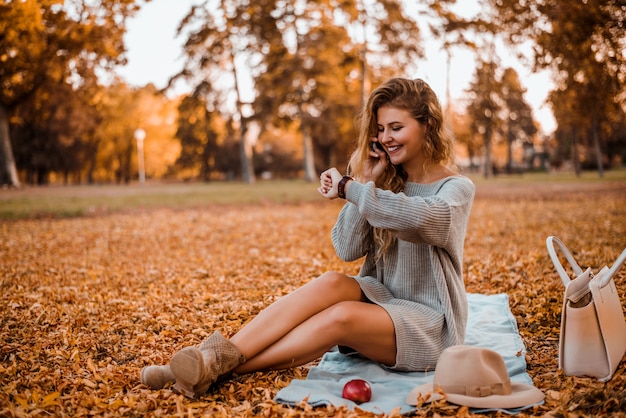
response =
{"points": [[157, 377], [196, 368]]}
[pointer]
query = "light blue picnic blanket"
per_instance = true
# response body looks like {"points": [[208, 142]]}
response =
{"points": [[490, 324]]}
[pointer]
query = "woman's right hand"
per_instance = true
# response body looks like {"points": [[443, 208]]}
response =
{"points": [[329, 182]]}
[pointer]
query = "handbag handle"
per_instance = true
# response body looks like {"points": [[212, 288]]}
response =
{"points": [[550, 243], [614, 269]]}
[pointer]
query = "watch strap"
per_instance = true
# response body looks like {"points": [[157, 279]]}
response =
{"points": [[341, 187]]}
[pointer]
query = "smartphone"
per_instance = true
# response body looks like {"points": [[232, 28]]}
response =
{"points": [[377, 145]]}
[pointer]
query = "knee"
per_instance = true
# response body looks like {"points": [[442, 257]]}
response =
{"points": [[333, 281], [340, 318]]}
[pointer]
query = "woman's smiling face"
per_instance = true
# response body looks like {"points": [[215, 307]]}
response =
{"points": [[402, 136]]}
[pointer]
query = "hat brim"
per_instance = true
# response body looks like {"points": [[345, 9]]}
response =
{"points": [[521, 395]]}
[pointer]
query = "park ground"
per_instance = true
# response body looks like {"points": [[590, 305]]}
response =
{"points": [[97, 282]]}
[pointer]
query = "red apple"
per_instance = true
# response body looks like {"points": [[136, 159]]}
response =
{"points": [[357, 390]]}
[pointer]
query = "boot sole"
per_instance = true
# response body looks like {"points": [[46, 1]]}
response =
{"points": [[187, 365]]}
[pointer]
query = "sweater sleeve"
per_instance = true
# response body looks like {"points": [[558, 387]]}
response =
{"points": [[413, 218], [351, 235]]}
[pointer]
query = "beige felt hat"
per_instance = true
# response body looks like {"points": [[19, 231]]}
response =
{"points": [[475, 377]]}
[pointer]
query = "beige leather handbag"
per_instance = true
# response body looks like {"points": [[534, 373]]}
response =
{"points": [[593, 331]]}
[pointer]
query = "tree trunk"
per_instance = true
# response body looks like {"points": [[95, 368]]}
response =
{"points": [[8, 171], [509, 151], [205, 166], [575, 161], [332, 158], [92, 161], [488, 173], [309, 159], [596, 143], [363, 53], [126, 163], [245, 148], [307, 148], [364, 84]]}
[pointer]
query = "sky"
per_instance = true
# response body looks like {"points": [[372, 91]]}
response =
{"points": [[155, 54]]}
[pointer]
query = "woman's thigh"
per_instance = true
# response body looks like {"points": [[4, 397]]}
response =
{"points": [[293, 310], [364, 327]]}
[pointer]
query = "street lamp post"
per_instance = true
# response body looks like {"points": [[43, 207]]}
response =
{"points": [[140, 135]]}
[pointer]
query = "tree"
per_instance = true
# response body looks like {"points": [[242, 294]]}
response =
{"points": [[389, 38], [44, 44], [519, 125], [565, 107], [52, 133], [463, 135], [497, 109], [197, 136], [21, 43], [156, 114], [218, 50], [298, 85], [301, 57], [483, 109], [116, 134], [122, 111], [583, 43], [454, 31]]}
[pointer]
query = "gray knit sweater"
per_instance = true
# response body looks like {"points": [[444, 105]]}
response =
{"points": [[419, 282]]}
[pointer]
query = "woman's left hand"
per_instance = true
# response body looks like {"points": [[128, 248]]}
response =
{"points": [[329, 180], [375, 165]]}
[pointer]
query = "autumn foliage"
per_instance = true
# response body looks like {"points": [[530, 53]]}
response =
{"points": [[86, 302]]}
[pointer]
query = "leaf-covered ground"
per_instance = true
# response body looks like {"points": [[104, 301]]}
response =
{"points": [[86, 302]]}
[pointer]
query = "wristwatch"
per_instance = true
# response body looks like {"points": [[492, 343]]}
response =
{"points": [[341, 187]]}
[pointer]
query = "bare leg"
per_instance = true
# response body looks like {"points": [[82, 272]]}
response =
{"points": [[296, 329], [363, 326], [305, 324], [280, 318]]}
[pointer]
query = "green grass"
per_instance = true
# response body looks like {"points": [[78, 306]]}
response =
{"points": [[530, 178], [72, 201]]}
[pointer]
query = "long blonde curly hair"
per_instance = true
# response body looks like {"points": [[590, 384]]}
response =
{"points": [[416, 97]]}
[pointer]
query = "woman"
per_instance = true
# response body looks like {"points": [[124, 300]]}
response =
{"points": [[406, 212]]}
